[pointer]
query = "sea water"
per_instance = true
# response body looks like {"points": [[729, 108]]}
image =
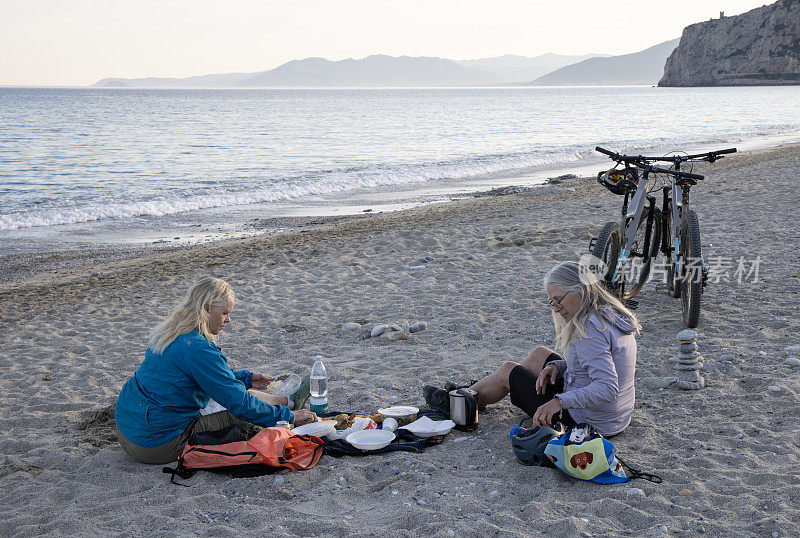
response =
{"points": [[96, 166]]}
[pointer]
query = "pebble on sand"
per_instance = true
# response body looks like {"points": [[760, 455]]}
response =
{"points": [[378, 330], [418, 327], [793, 362], [686, 336], [351, 326]]}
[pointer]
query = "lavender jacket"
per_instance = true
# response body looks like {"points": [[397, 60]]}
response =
{"points": [[598, 373]]}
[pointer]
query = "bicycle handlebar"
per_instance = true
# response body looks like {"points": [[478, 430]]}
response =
{"points": [[676, 173], [709, 156], [641, 162]]}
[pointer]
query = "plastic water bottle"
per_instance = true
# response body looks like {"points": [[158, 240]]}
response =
{"points": [[318, 388]]}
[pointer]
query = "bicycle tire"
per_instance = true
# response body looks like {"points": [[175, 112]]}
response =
{"points": [[692, 282], [649, 257], [672, 279], [607, 248]]}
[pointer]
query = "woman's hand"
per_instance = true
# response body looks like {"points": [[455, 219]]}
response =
{"points": [[261, 381], [304, 416], [546, 377], [544, 415]]}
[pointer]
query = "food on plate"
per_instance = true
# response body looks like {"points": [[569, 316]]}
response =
{"points": [[277, 381], [345, 421]]}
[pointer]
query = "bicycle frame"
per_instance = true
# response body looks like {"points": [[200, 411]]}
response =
{"points": [[631, 219]]}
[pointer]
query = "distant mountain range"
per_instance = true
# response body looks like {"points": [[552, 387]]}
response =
{"points": [[645, 67]]}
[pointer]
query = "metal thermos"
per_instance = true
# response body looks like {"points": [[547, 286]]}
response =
{"points": [[463, 410]]}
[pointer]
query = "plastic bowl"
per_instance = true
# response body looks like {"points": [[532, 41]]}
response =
{"points": [[370, 439], [285, 387], [403, 414]]}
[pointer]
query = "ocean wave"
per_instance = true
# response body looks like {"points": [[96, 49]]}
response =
{"points": [[321, 183]]}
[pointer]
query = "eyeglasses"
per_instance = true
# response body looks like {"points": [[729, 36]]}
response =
{"points": [[555, 304]]}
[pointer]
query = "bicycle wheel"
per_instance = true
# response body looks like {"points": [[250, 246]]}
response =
{"points": [[606, 248], [640, 265], [692, 282], [673, 280]]}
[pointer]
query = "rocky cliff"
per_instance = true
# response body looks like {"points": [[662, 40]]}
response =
{"points": [[760, 47]]}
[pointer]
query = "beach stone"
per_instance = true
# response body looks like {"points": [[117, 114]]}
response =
{"points": [[774, 388], [405, 326], [394, 336], [690, 375], [686, 336], [685, 356], [418, 327], [635, 492], [685, 492], [351, 326], [395, 327], [658, 382], [378, 330], [691, 385], [687, 348], [687, 367], [793, 362]]}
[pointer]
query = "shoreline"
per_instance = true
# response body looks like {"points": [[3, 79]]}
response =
{"points": [[20, 267], [72, 245]]}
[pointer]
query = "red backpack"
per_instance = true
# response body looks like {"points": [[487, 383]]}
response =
{"points": [[241, 450]]}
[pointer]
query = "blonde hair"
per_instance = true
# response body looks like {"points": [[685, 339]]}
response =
{"points": [[577, 278], [191, 313]]}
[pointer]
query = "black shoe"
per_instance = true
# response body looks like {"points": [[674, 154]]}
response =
{"points": [[437, 399], [452, 386]]}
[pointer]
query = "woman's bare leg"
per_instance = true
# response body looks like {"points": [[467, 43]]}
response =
{"points": [[269, 398], [535, 359], [495, 387]]}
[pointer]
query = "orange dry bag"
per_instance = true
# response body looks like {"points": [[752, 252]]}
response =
{"points": [[235, 451]]}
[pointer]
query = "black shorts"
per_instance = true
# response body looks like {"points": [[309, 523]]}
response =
{"points": [[523, 392]]}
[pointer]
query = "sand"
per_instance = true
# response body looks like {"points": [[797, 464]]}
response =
{"points": [[728, 454]]}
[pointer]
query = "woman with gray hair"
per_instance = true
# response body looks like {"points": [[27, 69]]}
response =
{"points": [[591, 380], [158, 408]]}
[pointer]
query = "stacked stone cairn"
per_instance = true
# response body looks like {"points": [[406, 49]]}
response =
{"points": [[689, 362]]}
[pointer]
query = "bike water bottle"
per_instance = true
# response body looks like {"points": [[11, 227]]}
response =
{"points": [[318, 402]]}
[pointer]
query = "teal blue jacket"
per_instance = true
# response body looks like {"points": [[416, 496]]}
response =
{"points": [[168, 391]]}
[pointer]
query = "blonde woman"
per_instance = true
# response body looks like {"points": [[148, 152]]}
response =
{"points": [[591, 380], [158, 408]]}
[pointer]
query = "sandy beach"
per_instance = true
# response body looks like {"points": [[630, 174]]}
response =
{"points": [[71, 335]]}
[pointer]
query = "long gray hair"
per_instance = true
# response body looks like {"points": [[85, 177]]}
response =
{"points": [[579, 279], [191, 313]]}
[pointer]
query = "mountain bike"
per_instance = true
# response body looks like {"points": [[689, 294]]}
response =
{"points": [[629, 248]]}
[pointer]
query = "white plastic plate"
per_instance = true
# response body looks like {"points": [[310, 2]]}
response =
{"points": [[370, 439], [425, 427]]}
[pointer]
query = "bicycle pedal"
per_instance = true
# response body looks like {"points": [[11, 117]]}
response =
{"points": [[631, 304]]}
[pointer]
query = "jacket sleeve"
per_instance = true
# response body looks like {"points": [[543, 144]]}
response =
{"points": [[245, 376], [211, 372], [594, 355]]}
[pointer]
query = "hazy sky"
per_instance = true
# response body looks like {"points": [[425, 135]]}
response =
{"points": [[77, 42]]}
